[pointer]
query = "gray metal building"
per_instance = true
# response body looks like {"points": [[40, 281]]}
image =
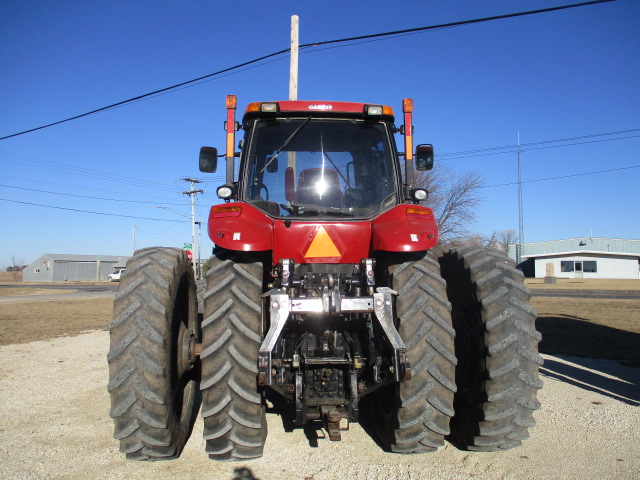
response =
{"points": [[584, 257], [53, 267]]}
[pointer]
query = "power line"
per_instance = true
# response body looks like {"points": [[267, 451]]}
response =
{"points": [[89, 211], [309, 45], [86, 196], [155, 92], [536, 145], [138, 229], [457, 24], [80, 187], [562, 176], [85, 172]]}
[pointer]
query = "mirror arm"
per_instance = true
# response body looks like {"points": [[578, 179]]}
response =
{"points": [[230, 164]]}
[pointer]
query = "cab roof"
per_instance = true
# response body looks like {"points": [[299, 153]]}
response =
{"points": [[320, 108]]}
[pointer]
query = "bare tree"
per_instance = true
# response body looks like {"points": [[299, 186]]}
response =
{"points": [[479, 240], [506, 238], [454, 199], [16, 267], [500, 240]]}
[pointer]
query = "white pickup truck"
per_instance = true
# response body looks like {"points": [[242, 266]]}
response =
{"points": [[115, 276]]}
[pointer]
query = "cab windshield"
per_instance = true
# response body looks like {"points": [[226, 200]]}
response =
{"points": [[302, 167]]}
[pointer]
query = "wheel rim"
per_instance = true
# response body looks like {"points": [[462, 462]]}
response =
{"points": [[182, 372]]}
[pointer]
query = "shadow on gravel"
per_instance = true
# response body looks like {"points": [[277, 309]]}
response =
{"points": [[576, 337], [312, 430], [624, 388], [366, 422], [243, 473]]}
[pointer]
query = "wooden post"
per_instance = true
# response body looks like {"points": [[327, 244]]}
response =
{"points": [[293, 77], [549, 274], [293, 66]]}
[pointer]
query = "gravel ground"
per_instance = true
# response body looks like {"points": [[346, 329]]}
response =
{"points": [[55, 424]]}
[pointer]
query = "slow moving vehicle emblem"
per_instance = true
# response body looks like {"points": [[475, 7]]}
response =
{"points": [[322, 246]]}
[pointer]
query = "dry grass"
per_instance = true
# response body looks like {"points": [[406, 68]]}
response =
{"points": [[589, 327], [15, 291], [585, 284], [31, 288], [23, 322], [10, 276]]}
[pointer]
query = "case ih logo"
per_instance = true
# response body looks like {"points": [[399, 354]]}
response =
{"points": [[320, 107]]}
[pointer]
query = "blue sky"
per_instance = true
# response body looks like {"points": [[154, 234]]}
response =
{"points": [[560, 75]]}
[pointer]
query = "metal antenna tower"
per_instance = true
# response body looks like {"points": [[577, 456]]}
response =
{"points": [[520, 212]]}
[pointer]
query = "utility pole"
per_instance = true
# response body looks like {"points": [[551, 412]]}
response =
{"points": [[520, 212], [199, 247], [293, 77], [192, 194], [293, 65], [133, 240]]}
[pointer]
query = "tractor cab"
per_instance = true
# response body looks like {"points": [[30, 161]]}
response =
{"points": [[324, 160]]}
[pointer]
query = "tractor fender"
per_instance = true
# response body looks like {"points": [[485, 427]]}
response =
{"points": [[405, 228], [240, 226]]}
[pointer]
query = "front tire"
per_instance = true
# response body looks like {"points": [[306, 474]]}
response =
{"points": [[232, 406], [497, 350], [152, 379], [413, 416]]}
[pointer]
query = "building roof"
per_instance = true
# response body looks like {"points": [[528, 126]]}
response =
{"points": [[583, 252], [82, 258], [67, 257], [576, 246]]}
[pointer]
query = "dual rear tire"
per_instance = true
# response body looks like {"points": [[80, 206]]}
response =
{"points": [[497, 350], [153, 373], [478, 390], [152, 376]]}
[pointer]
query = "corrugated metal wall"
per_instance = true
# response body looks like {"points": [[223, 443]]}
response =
{"points": [[39, 271], [83, 271]]}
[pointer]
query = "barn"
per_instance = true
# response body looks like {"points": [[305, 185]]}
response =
{"points": [[53, 267], [585, 257]]}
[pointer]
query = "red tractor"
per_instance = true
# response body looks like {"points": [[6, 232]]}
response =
{"points": [[322, 290]]}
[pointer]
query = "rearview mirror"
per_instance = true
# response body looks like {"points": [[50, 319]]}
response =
{"points": [[424, 157], [208, 159], [272, 165]]}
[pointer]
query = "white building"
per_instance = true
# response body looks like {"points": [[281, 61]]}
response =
{"points": [[585, 257]]}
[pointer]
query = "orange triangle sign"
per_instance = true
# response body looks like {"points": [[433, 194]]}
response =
{"points": [[322, 246]]}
